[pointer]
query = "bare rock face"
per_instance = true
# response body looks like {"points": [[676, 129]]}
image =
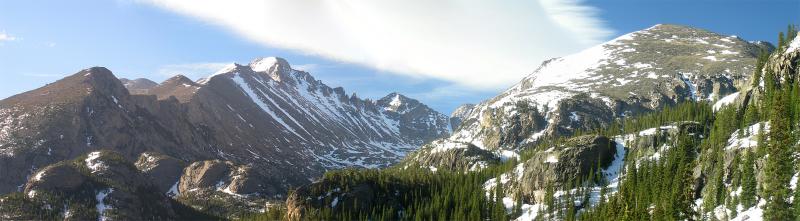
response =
{"points": [[460, 114], [204, 174], [222, 176], [558, 166], [296, 205], [164, 170], [244, 180], [569, 163]]}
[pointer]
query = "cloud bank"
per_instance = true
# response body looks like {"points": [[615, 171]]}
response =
{"points": [[475, 43]]}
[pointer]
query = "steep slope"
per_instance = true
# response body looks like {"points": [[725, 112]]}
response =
{"points": [[290, 109], [284, 124], [78, 114], [632, 74], [458, 115]]}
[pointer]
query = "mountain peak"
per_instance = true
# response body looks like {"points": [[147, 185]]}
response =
{"points": [[138, 85], [396, 102], [266, 63], [396, 99], [179, 79], [72, 89], [275, 67], [232, 67], [96, 73]]}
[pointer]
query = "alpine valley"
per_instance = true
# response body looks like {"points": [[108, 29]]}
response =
{"points": [[667, 123]]}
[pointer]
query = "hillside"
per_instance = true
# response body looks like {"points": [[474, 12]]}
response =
{"points": [[727, 159]]}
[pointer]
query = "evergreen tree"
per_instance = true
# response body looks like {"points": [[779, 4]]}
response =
{"points": [[779, 164], [748, 194]]}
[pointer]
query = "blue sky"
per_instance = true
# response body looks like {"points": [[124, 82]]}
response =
{"points": [[43, 41]]}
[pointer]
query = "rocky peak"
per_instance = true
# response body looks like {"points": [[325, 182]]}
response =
{"points": [[179, 86], [398, 103], [179, 80], [276, 68], [139, 85], [459, 114], [96, 80]]}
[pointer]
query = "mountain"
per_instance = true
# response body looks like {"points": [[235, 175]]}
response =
{"points": [[459, 114], [282, 124], [139, 85], [636, 73], [733, 157]]}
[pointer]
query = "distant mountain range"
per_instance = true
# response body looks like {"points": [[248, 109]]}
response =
{"points": [[282, 123], [234, 142]]}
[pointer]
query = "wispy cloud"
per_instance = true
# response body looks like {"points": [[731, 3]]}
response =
{"points": [[475, 43], [6, 37], [192, 70], [306, 67]]}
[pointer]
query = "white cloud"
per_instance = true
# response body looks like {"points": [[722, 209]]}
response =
{"points": [[194, 71], [306, 67], [6, 37], [476, 43]]}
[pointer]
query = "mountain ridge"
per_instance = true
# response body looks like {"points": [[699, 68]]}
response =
{"points": [[278, 120]]}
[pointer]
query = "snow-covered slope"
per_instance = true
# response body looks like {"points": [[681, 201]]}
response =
{"points": [[634, 73], [284, 123], [339, 130]]}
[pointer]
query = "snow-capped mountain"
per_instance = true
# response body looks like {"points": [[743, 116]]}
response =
{"points": [[635, 73], [282, 122]]}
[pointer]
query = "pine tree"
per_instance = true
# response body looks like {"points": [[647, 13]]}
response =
{"points": [[778, 167], [748, 195]]}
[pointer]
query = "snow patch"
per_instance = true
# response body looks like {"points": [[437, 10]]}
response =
{"points": [[38, 176], [749, 136], [551, 159], [335, 202], [101, 204], [794, 46], [173, 191], [685, 77], [258, 101], [263, 64], [711, 58], [725, 101], [506, 155], [95, 164]]}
